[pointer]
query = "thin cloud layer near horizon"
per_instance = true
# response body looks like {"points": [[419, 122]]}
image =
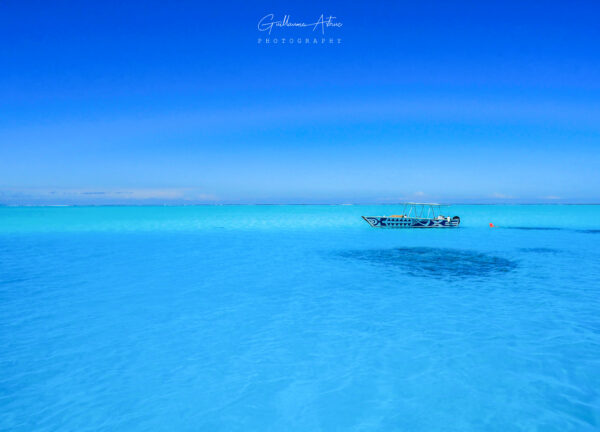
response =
{"points": [[110, 103]]}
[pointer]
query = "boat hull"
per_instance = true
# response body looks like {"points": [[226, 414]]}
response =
{"points": [[404, 222]]}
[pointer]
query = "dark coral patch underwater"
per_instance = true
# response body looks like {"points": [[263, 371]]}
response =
{"points": [[581, 231], [437, 263], [538, 228], [589, 231], [542, 250]]}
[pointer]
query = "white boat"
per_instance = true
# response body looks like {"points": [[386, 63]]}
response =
{"points": [[415, 215]]}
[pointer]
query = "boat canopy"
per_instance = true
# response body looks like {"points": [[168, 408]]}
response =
{"points": [[422, 210]]}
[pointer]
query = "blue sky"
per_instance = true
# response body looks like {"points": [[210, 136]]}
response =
{"points": [[154, 102]]}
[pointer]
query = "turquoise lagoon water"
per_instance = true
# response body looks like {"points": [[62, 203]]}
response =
{"points": [[298, 318]]}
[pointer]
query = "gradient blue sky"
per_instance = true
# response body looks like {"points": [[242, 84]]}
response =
{"points": [[152, 102]]}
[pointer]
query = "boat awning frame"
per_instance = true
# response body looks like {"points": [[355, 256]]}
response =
{"points": [[422, 210]]}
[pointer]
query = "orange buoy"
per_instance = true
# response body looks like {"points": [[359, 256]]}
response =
{"points": [[492, 225]]}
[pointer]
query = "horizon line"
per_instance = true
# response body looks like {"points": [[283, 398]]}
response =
{"points": [[288, 204]]}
